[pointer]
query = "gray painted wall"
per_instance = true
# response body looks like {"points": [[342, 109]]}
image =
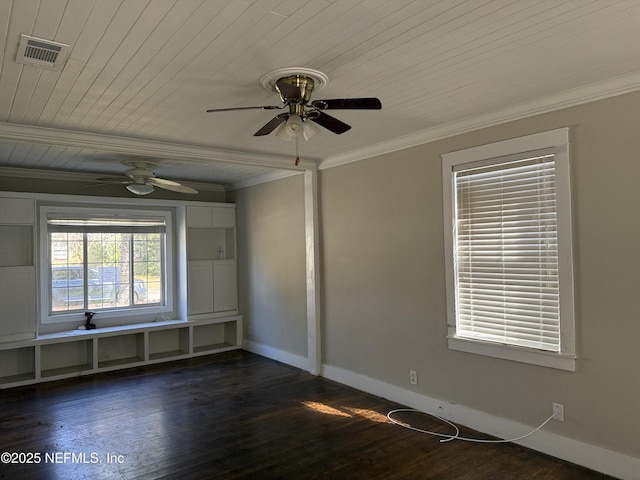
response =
{"points": [[383, 277], [271, 263]]}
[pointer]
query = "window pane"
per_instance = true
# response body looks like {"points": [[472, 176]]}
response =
{"points": [[154, 292], [94, 247], [66, 248], [115, 273], [67, 271], [148, 268], [59, 299]]}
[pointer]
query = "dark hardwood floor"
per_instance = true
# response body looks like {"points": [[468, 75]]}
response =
{"points": [[237, 416]]}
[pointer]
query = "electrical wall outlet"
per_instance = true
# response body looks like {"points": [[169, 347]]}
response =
{"points": [[413, 377], [558, 411]]}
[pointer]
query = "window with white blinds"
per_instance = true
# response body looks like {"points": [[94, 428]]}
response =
{"points": [[507, 253], [508, 250]]}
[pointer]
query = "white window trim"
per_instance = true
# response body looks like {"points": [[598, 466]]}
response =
{"points": [[558, 139], [131, 314]]}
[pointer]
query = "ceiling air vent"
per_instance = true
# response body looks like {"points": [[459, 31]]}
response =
{"points": [[41, 53]]}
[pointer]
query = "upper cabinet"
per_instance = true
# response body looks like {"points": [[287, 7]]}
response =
{"points": [[17, 211], [17, 218], [203, 216], [211, 255]]}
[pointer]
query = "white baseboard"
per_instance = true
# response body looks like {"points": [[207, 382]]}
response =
{"points": [[283, 356], [596, 458]]}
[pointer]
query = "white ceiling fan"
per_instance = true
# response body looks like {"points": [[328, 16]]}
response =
{"points": [[140, 180]]}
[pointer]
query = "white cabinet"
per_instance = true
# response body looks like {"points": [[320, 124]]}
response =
{"points": [[212, 281], [207, 217], [200, 281], [213, 286], [225, 286], [17, 211], [17, 297], [17, 269]]}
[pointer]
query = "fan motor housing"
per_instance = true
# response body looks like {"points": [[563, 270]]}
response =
{"points": [[303, 83], [139, 173]]}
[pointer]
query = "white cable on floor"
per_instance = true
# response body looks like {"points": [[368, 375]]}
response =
{"points": [[456, 436]]}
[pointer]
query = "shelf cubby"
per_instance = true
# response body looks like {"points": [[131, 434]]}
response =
{"points": [[119, 350], [17, 365], [214, 336], [65, 358], [17, 246], [211, 243], [168, 343]]}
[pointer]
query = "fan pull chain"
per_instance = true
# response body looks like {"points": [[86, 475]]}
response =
{"points": [[297, 151]]}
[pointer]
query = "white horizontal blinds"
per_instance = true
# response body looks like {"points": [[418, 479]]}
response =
{"points": [[507, 252], [105, 224]]}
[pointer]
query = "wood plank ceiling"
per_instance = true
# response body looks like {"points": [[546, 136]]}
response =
{"points": [[141, 74]]}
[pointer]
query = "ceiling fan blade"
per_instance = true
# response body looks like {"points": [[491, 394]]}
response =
{"points": [[330, 123], [272, 125], [370, 103], [170, 185], [288, 91], [176, 188], [264, 107], [162, 181]]}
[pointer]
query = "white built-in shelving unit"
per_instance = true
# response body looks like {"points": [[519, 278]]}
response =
{"points": [[83, 352], [212, 323]]}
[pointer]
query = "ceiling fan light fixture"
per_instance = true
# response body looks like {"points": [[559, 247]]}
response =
{"points": [[291, 129], [140, 188], [282, 134], [310, 130], [294, 127]]}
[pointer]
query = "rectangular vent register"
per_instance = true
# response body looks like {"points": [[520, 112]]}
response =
{"points": [[41, 53]]}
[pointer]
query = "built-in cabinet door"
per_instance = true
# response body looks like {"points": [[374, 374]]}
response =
{"points": [[17, 297], [200, 285], [198, 216], [212, 286], [225, 293], [17, 211], [204, 217]]}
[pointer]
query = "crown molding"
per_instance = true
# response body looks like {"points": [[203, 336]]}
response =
{"points": [[569, 98], [201, 154], [149, 148]]}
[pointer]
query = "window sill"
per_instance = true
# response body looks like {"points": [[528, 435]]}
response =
{"points": [[560, 361], [121, 313], [105, 331]]}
